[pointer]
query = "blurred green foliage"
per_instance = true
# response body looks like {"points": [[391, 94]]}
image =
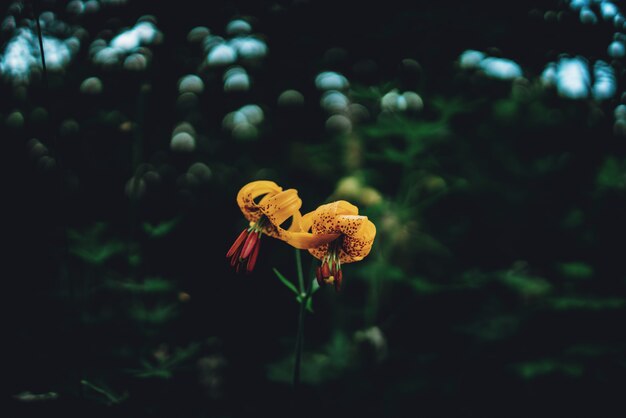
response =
{"points": [[165, 364], [496, 283]]}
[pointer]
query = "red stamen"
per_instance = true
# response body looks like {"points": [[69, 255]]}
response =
{"points": [[235, 257], [253, 257], [325, 270], [249, 245], [237, 243], [338, 277]]}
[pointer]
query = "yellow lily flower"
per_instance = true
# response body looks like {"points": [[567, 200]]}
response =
{"points": [[266, 217], [338, 235]]}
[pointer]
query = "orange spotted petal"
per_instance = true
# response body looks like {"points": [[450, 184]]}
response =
{"points": [[298, 236], [336, 220], [324, 219], [278, 209], [251, 191], [281, 206], [274, 203], [359, 233], [306, 240]]}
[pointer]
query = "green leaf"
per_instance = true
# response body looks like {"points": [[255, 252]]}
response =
{"points": [[98, 254], [158, 373], [576, 270], [134, 260], [92, 246], [111, 397], [378, 268], [505, 110], [286, 282], [590, 304], [148, 286], [315, 287], [309, 302], [526, 285], [161, 229], [533, 369], [588, 350], [181, 355], [90, 234], [165, 368], [29, 396], [475, 279], [573, 218], [155, 316], [422, 285], [452, 106], [612, 175], [396, 156]]}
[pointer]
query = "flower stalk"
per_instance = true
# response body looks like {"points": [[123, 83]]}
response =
{"points": [[334, 233], [306, 294]]}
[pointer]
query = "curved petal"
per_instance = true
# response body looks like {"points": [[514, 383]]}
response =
{"points": [[251, 191], [281, 206], [356, 226], [299, 236], [332, 221], [296, 222], [359, 233], [276, 205], [302, 223], [306, 240], [320, 251], [324, 219]]}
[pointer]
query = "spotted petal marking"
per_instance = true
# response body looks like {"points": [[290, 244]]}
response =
{"points": [[335, 221]]}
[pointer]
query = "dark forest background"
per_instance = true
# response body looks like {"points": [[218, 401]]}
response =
{"points": [[496, 285]]}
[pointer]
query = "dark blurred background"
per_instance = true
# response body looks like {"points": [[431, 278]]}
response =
{"points": [[496, 285]]}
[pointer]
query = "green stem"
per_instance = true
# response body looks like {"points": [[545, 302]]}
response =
{"points": [[299, 268], [299, 343], [301, 316]]}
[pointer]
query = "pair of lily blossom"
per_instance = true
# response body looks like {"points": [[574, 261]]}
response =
{"points": [[333, 233]]}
